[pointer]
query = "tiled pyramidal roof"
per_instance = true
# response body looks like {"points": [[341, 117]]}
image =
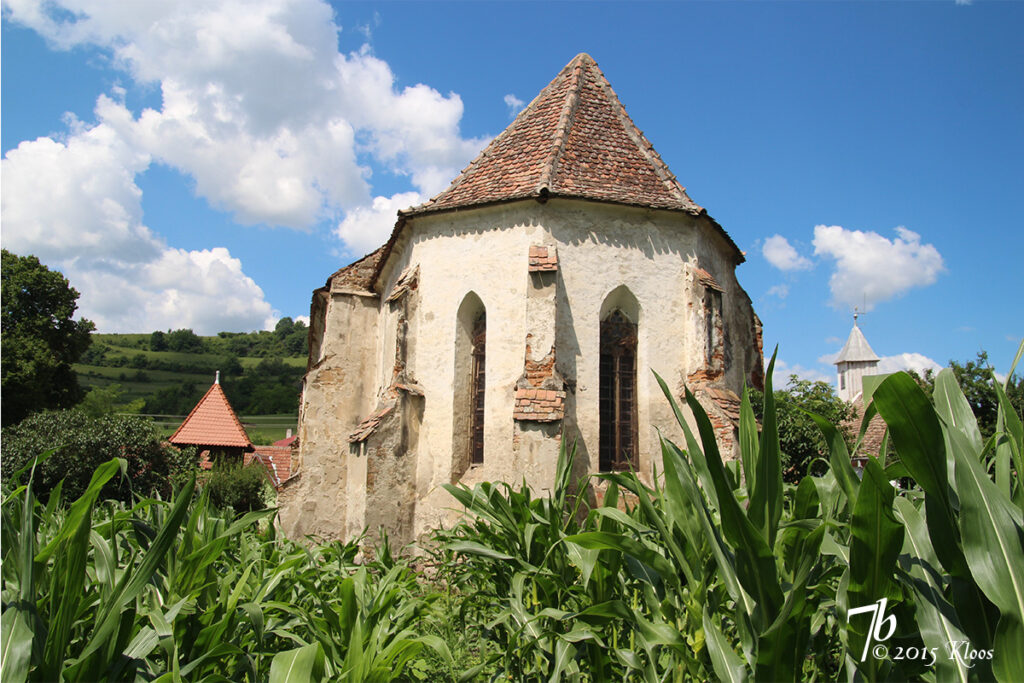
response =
{"points": [[574, 140], [856, 348], [212, 423]]}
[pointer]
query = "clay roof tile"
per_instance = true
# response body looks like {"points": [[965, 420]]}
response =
{"points": [[212, 423]]}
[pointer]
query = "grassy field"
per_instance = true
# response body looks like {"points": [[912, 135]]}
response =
{"points": [[124, 353]]}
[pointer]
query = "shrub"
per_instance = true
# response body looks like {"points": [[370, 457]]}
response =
{"points": [[83, 443], [238, 488]]}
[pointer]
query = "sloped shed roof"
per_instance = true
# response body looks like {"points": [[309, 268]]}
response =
{"points": [[212, 423]]}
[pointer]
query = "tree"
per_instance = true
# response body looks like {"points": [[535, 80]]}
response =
{"points": [[184, 340], [40, 339], [800, 438], [83, 443], [158, 341], [975, 378]]}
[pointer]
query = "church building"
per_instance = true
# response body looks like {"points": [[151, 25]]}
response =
{"points": [[525, 305]]}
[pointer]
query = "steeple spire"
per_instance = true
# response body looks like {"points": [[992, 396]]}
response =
{"points": [[856, 360]]}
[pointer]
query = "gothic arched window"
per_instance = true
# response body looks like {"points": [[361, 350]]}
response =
{"points": [[617, 393], [477, 388]]}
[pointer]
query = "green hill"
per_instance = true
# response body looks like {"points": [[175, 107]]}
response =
{"points": [[164, 374]]}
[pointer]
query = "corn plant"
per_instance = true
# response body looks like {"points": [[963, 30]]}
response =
{"points": [[720, 571], [178, 590]]}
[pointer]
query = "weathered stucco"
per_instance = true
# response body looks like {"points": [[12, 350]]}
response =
{"points": [[398, 355]]}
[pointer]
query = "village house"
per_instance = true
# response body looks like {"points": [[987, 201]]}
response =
{"points": [[525, 305], [216, 432]]}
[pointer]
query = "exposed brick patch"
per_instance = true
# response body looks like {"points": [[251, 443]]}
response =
{"points": [[872, 442], [543, 259], [367, 426], [727, 401], [536, 372], [539, 405], [757, 374]]}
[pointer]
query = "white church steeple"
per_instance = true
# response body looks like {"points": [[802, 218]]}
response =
{"points": [[854, 362]]}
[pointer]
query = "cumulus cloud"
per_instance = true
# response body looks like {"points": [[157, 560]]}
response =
{"points": [[514, 104], [76, 206], [871, 269], [781, 291], [783, 370], [780, 253], [907, 361], [258, 107], [367, 227]]}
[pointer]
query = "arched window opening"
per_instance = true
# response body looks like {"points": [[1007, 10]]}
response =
{"points": [[478, 384], [617, 394]]}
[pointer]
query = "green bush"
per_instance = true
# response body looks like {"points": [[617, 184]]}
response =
{"points": [[82, 443], [242, 489]]}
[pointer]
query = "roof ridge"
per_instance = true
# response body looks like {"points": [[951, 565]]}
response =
{"points": [[485, 153], [215, 388], [191, 413], [561, 134], [659, 166]]}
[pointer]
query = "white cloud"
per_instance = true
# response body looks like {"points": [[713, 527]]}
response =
{"points": [[906, 361], [514, 104], [781, 291], [871, 269], [258, 105], [783, 370], [76, 206], [367, 227], [780, 253], [304, 319]]}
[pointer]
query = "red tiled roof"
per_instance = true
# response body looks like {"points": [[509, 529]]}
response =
{"points": [[704, 277], [543, 259], [367, 426], [276, 459], [574, 140], [287, 441], [357, 276], [875, 433], [212, 423]]}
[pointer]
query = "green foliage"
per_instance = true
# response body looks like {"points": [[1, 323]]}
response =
{"points": [[158, 341], [184, 341], [100, 401], [702, 574], [800, 440], [238, 488], [99, 591], [708, 570], [82, 443], [978, 383], [40, 339], [170, 382]]}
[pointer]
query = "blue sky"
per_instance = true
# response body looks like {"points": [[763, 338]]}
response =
{"points": [[208, 164]]}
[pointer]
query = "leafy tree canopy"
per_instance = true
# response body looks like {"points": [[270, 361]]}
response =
{"points": [[976, 378], [40, 338], [82, 443], [800, 439]]}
